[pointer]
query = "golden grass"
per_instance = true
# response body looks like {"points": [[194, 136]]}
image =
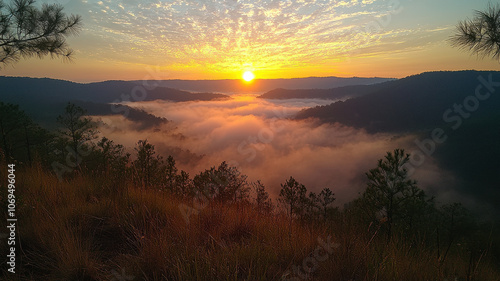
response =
{"points": [[87, 228]]}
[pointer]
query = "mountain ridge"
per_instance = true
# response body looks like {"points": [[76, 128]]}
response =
{"points": [[237, 85], [411, 103]]}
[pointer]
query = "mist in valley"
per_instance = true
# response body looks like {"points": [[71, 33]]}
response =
{"points": [[261, 138]]}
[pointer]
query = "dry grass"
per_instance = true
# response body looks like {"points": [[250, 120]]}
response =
{"points": [[89, 229]]}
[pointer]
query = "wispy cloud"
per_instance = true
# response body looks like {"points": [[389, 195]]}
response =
{"points": [[215, 39], [230, 35]]}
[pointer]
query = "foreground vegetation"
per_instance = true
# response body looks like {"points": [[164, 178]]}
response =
{"points": [[88, 228], [87, 210]]}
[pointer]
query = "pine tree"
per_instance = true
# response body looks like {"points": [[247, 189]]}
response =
{"points": [[146, 167], [293, 196], [262, 200], [19, 135], [77, 129], [325, 201], [222, 184], [27, 31], [389, 186], [481, 35]]}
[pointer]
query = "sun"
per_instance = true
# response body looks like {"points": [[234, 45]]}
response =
{"points": [[248, 76]]}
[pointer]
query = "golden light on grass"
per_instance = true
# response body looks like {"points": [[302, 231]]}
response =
{"points": [[248, 76]]}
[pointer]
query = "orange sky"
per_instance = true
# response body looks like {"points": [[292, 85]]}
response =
{"points": [[184, 39]]}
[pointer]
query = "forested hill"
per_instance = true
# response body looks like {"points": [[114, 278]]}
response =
{"points": [[416, 102], [464, 105], [44, 99], [48, 90], [327, 94]]}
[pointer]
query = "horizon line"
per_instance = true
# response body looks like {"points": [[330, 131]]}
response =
{"points": [[239, 79]]}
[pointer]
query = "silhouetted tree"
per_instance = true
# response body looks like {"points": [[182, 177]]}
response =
{"points": [[417, 210], [77, 128], [389, 186], [170, 173], [10, 121], [19, 135], [27, 31], [223, 184], [146, 167], [325, 201], [169, 179], [316, 206], [456, 222], [481, 35], [293, 195], [262, 200], [111, 158], [183, 185], [310, 208]]}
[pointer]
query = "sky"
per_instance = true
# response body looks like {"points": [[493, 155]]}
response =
{"points": [[214, 39]]}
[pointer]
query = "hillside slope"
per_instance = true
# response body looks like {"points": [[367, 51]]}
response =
{"points": [[146, 234], [327, 94], [412, 103]]}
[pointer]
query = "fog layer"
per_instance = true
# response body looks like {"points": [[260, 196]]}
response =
{"points": [[258, 137]]}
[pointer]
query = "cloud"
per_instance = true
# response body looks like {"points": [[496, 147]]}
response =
{"points": [[259, 138], [229, 35]]}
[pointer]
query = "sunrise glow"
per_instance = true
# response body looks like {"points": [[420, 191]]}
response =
{"points": [[216, 40], [248, 76]]}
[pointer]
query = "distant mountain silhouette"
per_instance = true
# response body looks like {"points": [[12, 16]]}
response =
{"points": [[44, 99], [264, 85], [45, 89]]}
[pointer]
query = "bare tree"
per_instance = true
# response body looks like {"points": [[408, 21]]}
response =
{"points": [[27, 31], [480, 35]]}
